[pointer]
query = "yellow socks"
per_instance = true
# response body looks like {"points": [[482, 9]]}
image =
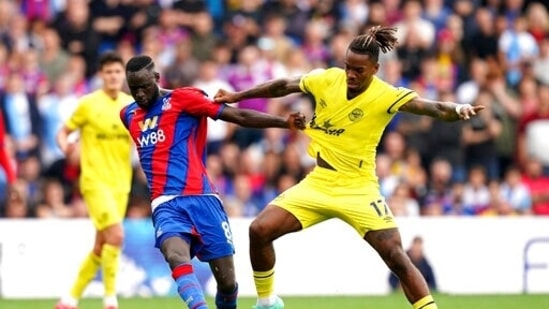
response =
{"points": [[426, 302], [264, 283], [110, 259], [87, 272]]}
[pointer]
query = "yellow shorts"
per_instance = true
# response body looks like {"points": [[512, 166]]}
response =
{"points": [[105, 207], [325, 194]]}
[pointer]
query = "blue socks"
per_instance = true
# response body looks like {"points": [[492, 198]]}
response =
{"points": [[189, 288]]}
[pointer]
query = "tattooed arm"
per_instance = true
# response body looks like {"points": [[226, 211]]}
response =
{"points": [[447, 111], [271, 89]]}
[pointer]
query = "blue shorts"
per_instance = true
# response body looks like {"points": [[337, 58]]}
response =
{"points": [[200, 220]]}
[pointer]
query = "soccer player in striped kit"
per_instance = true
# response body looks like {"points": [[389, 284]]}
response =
{"points": [[169, 129]]}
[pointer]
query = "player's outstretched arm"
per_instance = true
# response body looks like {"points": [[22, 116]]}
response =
{"points": [[253, 119], [447, 111], [271, 89]]}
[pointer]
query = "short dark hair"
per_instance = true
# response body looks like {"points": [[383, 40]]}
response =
{"points": [[377, 38], [108, 58], [138, 63]]}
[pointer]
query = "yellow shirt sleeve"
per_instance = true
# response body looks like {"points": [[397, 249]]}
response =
{"points": [[311, 80], [402, 96]]}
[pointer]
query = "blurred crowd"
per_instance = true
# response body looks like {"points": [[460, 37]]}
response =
{"points": [[494, 53]]}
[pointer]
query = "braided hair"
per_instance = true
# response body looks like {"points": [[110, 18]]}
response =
{"points": [[377, 38]]}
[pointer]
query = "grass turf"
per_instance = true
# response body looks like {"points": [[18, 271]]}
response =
{"points": [[393, 301]]}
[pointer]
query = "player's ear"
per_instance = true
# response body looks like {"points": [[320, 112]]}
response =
{"points": [[376, 67], [157, 77]]}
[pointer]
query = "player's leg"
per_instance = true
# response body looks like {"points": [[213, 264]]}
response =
{"points": [[370, 216], [227, 288], [110, 261], [176, 251], [89, 267], [93, 261], [87, 271], [212, 225], [388, 244], [272, 223], [112, 214], [173, 230], [297, 208]]}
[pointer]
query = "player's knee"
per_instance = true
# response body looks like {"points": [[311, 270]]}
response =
{"points": [[97, 248], [397, 260], [226, 284], [176, 257], [113, 235], [259, 232], [176, 251]]}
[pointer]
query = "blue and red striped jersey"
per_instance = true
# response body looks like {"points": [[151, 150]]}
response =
{"points": [[171, 141]]}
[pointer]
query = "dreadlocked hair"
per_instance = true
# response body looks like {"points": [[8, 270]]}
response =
{"points": [[377, 38], [138, 63]]}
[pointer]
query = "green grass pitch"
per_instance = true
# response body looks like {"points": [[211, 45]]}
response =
{"points": [[393, 301]]}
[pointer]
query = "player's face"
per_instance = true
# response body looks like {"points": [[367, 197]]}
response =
{"points": [[112, 75], [359, 70], [144, 87]]}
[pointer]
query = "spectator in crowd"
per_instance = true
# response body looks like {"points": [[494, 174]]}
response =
{"points": [[516, 46], [508, 111], [77, 35], [483, 44], [515, 192], [497, 206], [541, 64], [445, 141], [21, 116], [476, 194], [387, 181], [439, 198], [55, 108], [203, 39], [17, 206], [532, 132], [53, 205], [53, 58], [417, 255], [402, 203], [7, 171], [479, 136], [538, 185]]}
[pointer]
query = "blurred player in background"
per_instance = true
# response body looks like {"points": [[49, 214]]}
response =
{"points": [[169, 129], [352, 109], [105, 179]]}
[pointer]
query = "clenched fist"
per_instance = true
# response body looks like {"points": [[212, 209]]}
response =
{"points": [[224, 96], [297, 121]]}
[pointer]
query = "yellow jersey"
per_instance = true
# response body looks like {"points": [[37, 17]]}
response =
{"points": [[105, 145], [345, 133]]}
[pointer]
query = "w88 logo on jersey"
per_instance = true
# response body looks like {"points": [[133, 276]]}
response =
{"points": [[151, 138]]}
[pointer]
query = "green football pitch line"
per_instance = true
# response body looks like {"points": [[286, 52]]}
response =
{"points": [[393, 301]]}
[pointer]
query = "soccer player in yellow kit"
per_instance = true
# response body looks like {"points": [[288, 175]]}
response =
{"points": [[105, 179], [352, 107]]}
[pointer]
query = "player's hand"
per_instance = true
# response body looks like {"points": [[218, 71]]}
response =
{"points": [[224, 96], [297, 121], [70, 149], [466, 111]]}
